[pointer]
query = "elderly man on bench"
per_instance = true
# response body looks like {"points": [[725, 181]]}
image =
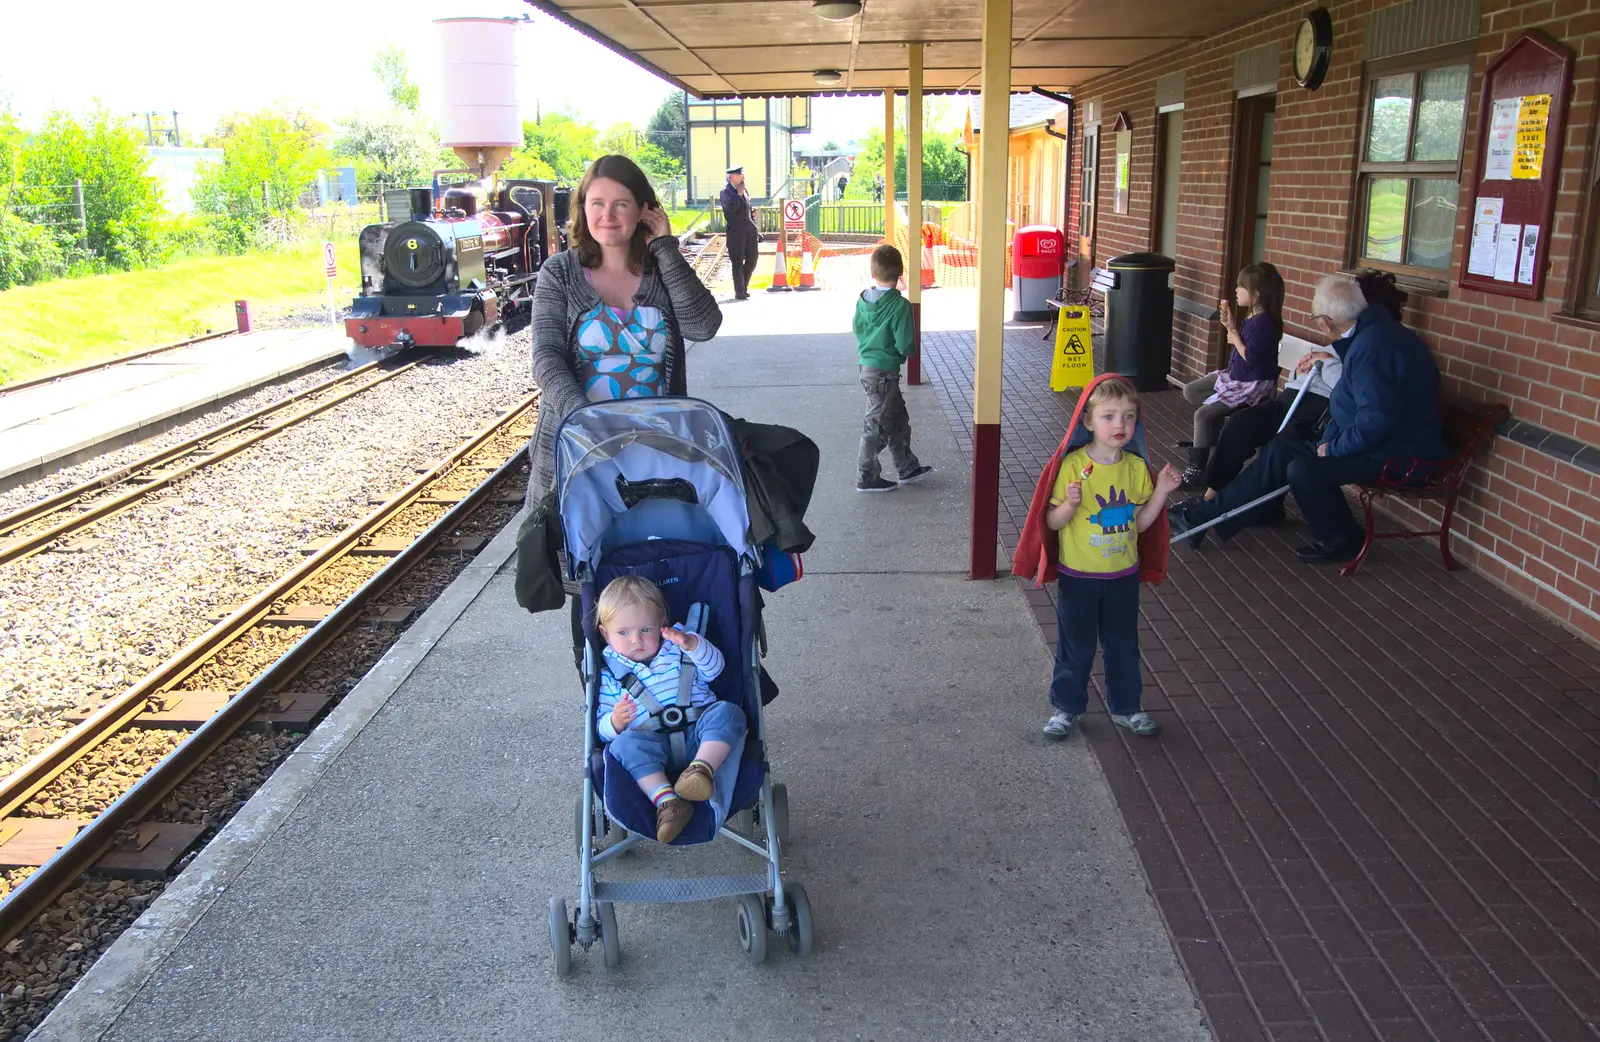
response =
{"points": [[1385, 405]]}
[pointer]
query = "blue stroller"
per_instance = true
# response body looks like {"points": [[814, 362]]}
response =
{"points": [[654, 487]]}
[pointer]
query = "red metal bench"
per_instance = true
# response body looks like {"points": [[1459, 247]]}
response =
{"points": [[1467, 430]]}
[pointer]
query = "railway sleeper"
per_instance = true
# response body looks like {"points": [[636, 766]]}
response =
{"points": [[187, 710], [394, 546], [148, 850], [311, 614]]}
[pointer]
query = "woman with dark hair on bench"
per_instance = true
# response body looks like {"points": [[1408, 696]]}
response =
{"points": [[1250, 429]]}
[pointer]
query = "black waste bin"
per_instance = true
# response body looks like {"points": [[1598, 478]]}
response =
{"points": [[1138, 292]]}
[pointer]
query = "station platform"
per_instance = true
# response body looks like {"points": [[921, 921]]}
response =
{"points": [[970, 880], [62, 422], [1371, 814]]}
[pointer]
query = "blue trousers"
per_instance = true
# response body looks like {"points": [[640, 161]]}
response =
{"points": [[1103, 611], [643, 753], [1315, 481]]}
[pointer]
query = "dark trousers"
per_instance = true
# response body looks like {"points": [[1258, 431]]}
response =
{"points": [[1316, 482], [743, 250], [1250, 429], [1087, 611]]}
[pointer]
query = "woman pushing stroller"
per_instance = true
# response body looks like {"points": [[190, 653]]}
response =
{"points": [[645, 656]]}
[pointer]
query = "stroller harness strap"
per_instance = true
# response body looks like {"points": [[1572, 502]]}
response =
{"points": [[672, 720]]}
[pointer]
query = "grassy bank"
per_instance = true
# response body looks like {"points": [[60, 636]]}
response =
{"points": [[71, 322]]}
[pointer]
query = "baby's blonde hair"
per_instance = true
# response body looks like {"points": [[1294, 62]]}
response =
{"points": [[1116, 389], [625, 591]]}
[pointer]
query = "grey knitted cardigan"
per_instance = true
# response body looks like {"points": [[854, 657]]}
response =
{"points": [[563, 295]]}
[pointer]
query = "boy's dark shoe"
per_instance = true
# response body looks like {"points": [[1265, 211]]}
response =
{"points": [[671, 817], [876, 485], [916, 475], [694, 783]]}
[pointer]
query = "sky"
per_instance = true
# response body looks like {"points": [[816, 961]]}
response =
{"points": [[208, 59]]}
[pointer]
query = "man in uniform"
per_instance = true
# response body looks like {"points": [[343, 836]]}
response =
{"points": [[742, 234]]}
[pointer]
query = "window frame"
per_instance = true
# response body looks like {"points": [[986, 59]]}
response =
{"points": [[1415, 63]]}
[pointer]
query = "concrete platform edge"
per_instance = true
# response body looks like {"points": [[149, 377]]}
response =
{"points": [[151, 425], [94, 1003]]}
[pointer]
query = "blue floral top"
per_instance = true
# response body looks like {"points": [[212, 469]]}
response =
{"points": [[621, 353]]}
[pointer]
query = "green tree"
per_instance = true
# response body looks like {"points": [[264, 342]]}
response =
{"points": [[667, 129], [944, 170], [395, 72], [121, 201], [560, 143], [395, 147], [657, 163], [269, 159], [620, 139]]}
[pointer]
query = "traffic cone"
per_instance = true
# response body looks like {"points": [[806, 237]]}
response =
{"points": [[808, 277], [780, 269]]}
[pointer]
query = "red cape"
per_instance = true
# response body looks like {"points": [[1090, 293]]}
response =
{"points": [[1037, 555]]}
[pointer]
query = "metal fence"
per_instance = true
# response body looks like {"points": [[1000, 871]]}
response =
{"points": [[849, 218]]}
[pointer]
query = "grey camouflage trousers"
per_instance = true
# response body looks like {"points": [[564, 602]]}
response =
{"points": [[887, 425]]}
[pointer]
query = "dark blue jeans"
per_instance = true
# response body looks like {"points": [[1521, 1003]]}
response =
{"points": [[1087, 611], [1315, 481]]}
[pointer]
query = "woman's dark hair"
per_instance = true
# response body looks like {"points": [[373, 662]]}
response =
{"points": [[625, 172], [1380, 289], [1264, 281]]}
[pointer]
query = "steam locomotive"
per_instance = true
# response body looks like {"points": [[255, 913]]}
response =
{"points": [[457, 263]]}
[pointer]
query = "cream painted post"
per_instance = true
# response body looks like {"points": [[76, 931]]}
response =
{"points": [[888, 165], [913, 259], [992, 246]]}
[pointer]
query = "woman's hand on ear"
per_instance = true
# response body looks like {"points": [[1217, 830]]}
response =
{"points": [[656, 222]]}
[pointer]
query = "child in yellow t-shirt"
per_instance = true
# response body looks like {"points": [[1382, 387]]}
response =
{"points": [[1103, 498]]}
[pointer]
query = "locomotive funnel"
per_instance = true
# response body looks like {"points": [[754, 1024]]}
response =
{"points": [[478, 118]]}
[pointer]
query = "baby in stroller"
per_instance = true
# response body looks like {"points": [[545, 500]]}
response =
{"points": [[650, 666]]}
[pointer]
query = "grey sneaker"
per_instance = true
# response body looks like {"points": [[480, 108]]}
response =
{"points": [[1060, 726], [1139, 723], [916, 475], [876, 485]]}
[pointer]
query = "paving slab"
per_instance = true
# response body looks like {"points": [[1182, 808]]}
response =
{"points": [[65, 419], [970, 880]]}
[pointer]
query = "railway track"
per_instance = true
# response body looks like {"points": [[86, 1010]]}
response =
{"points": [[92, 367], [209, 690], [706, 261], [42, 524]]}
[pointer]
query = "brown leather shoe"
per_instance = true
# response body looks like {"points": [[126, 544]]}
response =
{"points": [[671, 817], [694, 783]]}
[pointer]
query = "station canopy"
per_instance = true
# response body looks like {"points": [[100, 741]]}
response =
{"points": [[749, 48]]}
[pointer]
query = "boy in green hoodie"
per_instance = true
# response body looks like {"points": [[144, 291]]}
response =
{"points": [[883, 341]]}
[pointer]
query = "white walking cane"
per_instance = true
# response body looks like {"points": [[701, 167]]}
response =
{"points": [[1316, 371]]}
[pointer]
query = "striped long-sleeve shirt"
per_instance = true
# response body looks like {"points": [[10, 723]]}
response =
{"points": [[659, 676]]}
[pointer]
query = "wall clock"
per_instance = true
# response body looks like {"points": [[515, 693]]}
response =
{"points": [[1313, 48]]}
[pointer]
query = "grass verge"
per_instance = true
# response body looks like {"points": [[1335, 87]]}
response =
{"points": [[72, 322]]}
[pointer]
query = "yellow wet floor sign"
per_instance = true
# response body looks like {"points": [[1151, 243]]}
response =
{"points": [[1074, 360]]}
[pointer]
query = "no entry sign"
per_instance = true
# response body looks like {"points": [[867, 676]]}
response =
{"points": [[794, 213], [328, 260]]}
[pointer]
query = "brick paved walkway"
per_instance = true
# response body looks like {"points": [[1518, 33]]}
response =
{"points": [[1372, 812]]}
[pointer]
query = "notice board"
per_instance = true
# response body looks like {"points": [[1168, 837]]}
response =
{"points": [[1522, 124]]}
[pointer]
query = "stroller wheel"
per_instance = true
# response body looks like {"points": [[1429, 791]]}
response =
{"points": [[753, 928], [610, 942], [802, 934], [560, 937], [780, 814]]}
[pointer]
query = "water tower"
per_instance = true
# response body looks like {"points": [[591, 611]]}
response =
{"points": [[478, 88]]}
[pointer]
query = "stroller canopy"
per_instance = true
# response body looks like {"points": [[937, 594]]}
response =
{"points": [[611, 455]]}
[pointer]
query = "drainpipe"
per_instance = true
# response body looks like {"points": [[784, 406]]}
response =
{"points": [[1066, 172]]}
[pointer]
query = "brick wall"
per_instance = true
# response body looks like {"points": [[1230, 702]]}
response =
{"points": [[1529, 520]]}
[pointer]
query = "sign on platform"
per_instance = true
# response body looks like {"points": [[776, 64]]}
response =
{"points": [[794, 213], [328, 260], [1074, 358]]}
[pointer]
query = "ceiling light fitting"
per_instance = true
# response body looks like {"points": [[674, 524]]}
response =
{"points": [[827, 77], [836, 10]]}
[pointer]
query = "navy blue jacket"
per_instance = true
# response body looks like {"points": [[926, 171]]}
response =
{"points": [[1387, 402], [736, 214]]}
